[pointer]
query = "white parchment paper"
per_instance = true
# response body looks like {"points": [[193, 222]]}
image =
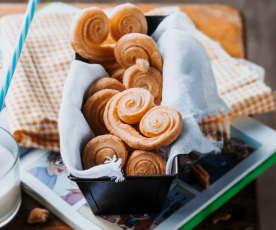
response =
{"points": [[188, 83], [74, 131]]}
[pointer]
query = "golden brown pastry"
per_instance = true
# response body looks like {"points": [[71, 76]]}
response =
{"points": [[105, 83], [162, 124], [144, 163], [113, 68], [159, 120], [151, 80], [133, 104], [127, 18], [118, 74], [93, 110], [109, 66], [89, 32], [139, 49], [101, 148]]}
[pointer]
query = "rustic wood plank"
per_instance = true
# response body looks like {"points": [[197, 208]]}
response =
{"points": [[221, 23]]}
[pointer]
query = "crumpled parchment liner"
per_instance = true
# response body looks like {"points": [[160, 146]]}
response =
{"points": [[188, 84], [73, 128]]}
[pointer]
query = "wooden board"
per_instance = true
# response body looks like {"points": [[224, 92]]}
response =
{"points": [[222, 23]]}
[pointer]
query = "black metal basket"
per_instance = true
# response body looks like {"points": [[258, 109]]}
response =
{"points": [[136, 194]]}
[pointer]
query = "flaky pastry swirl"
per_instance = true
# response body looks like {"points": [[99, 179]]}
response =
{"points": [[159, 121], [166, 123], [89, 32], [150, 80], [144, 163], [102, 148], [94, 107], [139, 49], [133, 104], [104, 83], [127, 18], [118, 74]]}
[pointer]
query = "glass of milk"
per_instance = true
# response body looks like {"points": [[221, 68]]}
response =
{"points": [[10, 195]]}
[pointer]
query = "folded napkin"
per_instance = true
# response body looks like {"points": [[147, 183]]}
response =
{"points": [[35, 94]]}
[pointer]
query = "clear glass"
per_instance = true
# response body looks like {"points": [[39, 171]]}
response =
{"points": [[10, 194]]}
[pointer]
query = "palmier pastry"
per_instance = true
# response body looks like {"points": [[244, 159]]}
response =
{"points": [[161, 120], [118, 74], [134, 103], [144, 163], [160, 125], [109, 66], [113, 68], [102, 148], [93, 110], [139, 49], [127, 18], [105, 83], [151, 80], [89, 32]]}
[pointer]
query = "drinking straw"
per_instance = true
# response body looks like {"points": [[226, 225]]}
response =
{"points": [[17, 52]]}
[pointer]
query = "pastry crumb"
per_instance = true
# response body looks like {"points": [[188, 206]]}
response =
{"points": [[221, 217], [38, 215]]}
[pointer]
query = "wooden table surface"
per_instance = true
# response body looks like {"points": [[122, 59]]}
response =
{"points": [[223, 24]]}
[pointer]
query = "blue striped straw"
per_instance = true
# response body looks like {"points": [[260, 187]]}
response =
{"points": [[17, 52]]}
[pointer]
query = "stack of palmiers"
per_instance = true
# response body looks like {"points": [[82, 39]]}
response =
{"points": [[124, 110]]}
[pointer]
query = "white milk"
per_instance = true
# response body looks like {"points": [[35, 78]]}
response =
{"points": [[10, 196]]}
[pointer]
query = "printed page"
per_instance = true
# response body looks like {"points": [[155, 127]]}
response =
{"points": [[47, 172], [45, 177]]}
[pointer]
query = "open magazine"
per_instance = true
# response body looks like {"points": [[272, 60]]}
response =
{"points": [[45, 178]]}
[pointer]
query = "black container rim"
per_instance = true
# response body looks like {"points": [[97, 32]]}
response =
{"points": [[74, 178], [166, 176]]}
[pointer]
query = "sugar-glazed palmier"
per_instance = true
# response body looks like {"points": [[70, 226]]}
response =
{"points": [[127, 18], [150, 80], [104, 83], [102, 148], [89, 32], [145, 163], [138, 49], [93, 110], [160, 125]]}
